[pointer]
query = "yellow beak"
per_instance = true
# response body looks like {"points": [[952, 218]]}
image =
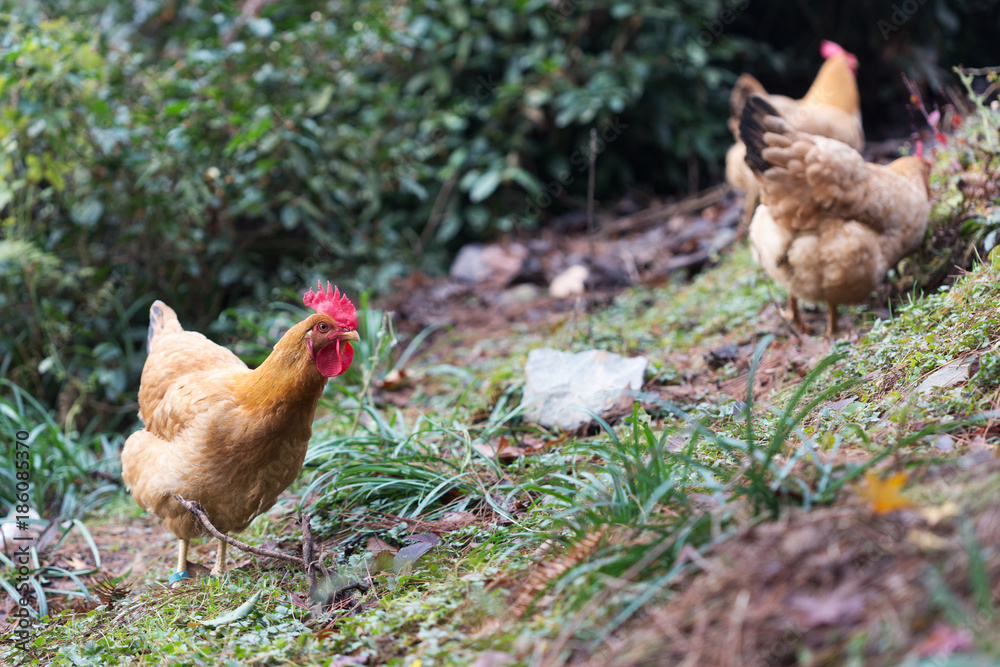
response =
{"points": [[350, 335]]}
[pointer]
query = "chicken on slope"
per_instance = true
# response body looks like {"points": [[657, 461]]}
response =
{"points": [[830, 224], [224, 435], [830, 108]]}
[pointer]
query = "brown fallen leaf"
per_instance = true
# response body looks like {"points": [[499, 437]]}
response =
{"points": [[501, 449], [77, 563], [457, 516], [394, 379], [883, 494], [375, 545]]}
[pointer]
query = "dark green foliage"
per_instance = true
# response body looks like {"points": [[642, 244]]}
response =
{"points": [[988, 375], [203, 157], [189, 152], [67, 475]]}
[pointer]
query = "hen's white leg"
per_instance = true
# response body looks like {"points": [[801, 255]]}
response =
{"points": [[220, 559], [182, 563], [793, 309], [182, 555]]}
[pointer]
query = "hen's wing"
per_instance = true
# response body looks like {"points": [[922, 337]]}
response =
{"points": [[805, 179], [177, 373]]}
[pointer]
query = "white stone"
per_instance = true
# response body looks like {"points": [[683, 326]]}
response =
{"points": [[560, 386]]}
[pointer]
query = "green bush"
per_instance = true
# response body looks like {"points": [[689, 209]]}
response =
{"points": [[188, 152], [205, 158]]}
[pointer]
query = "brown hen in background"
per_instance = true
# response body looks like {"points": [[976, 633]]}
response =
{"points": [[830, 108], [830, 224]]}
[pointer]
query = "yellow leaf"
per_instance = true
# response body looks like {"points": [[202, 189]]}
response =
{"points": [[884, 494]]}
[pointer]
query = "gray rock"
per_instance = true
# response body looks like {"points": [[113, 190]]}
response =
{"points": [[495, 263], [519, 295], [558, 384]]}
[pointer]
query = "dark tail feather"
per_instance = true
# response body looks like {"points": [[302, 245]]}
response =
{"points": [[752, 131], [161, 318], [746, 86]]}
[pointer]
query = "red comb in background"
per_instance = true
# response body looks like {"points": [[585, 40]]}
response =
{"points": [[829, 49], [332, 303]]}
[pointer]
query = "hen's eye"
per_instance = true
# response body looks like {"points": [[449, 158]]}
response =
{"points": [[322, 327]]}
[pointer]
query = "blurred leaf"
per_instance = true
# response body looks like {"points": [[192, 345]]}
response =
{"points": [[429, 538], [237, 614], [407, 556], [321, 100], [87, 213], [484, 186]]}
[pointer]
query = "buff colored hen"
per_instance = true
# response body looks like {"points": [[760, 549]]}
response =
{"points": [[224, 435], [830, 224]]}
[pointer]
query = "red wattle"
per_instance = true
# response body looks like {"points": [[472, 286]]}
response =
{"points": [[333, 360]]}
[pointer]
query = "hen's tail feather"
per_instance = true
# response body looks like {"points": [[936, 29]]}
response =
{"points": [[752, 131], [746, 86], [162, 318]]}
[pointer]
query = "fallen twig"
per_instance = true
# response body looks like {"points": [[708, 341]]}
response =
{"points": [[643, 219], [195, 508], [311, 563], [306, 562], [307, 553]]}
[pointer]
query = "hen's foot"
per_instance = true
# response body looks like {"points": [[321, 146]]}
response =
{"points": [[831, 319], [176, 578], [795, 315], [220, 560], [182, 565]]}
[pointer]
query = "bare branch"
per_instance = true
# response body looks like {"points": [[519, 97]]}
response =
{"points": [[195, 508]]}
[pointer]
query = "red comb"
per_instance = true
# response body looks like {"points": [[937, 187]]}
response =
{"points": [[920, 149], [333, 304], [829, 49]]}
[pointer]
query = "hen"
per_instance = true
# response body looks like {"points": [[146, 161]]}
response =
{"points": [[829, 224], [830, 108], [224, 435]]}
